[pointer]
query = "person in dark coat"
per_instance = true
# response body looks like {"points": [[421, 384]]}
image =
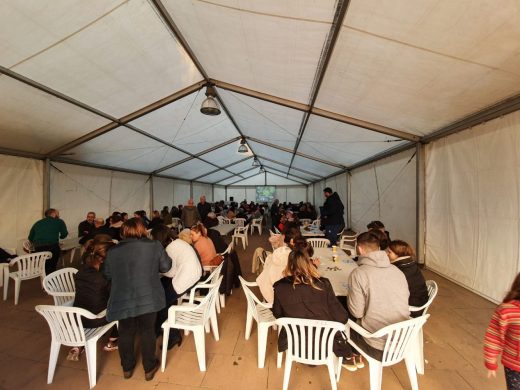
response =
{"points": [[92, 292], [302, 293], [86, 227], [402, 255], [231, 268], [136, 295], [332, 215], [203, 208]]}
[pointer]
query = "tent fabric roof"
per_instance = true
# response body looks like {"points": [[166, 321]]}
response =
{"points": [[314, 87]]}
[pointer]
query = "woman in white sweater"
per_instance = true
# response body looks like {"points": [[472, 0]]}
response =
{"points": [[185, 273]]}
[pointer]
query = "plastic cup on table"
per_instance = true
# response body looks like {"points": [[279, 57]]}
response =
{"points": [[334, 248]]}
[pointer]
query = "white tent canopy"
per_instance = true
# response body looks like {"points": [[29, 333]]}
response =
{"points": [[325, 93]]}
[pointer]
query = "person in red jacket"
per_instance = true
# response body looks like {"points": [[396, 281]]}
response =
{"points": [[503, 337]]}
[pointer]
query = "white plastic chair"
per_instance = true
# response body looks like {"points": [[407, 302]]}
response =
{"points": [[30, 266], [256, 223], [316, 223], [210, 280], [194, 318], [67, 329], [305, 221], [262, 314], [177, 224], [61, 287], [240, 233], [348, 242], [310, 342], [419, 347], [318, 242], [220, 219], [28, 246], [398, 346], [240, 222]]}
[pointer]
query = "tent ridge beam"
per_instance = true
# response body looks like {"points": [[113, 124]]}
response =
{"points": [[285, 177], [316, 111], [259, 141], [197, 155], [240, 173], [128, 118], [224, 167], [287, 165], [328, 49], [21, 153], [305, 181]]}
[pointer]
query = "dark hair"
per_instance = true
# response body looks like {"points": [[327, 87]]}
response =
{"points": [[369, 240], [328, 190], [382, 237], [48, 212], [401, 248], [116, 218], [514, 292], [163, 234], [199, 228], [301, 268], [375, 225], [301, 244], [291, 231], [96, 251], [133, 228]]}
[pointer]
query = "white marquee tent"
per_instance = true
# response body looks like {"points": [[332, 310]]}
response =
{"points": [[406, 109]]}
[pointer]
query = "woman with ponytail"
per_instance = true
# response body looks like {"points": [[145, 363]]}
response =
{"points": [[302, 293], [503, 337]]}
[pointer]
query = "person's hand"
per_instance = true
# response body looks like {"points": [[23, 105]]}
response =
{"points": [[492, 374], [316, 261]]}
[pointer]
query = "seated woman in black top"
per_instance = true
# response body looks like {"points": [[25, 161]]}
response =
{"points": [[93, 291], [302, 293], [402, 255]]}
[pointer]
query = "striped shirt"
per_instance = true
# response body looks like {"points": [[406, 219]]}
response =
{"points": [[503, 337]]}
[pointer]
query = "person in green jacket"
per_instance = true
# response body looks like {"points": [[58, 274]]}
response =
{"points": [[45, 235]]}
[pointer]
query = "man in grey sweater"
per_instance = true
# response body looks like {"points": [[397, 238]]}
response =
{"points": [[378, 297]]}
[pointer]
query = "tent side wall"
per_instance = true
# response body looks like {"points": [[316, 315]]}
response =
{"points": [[21, 180], [386, 190], [472, 206]]}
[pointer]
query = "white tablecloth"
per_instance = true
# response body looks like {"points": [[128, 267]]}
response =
{"points": [[336, 271], [225, 228], [313, 232]]}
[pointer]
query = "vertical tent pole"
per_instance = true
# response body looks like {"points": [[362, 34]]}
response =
{"points": [[191, 190], [47, 184], [419, 201], [151, 196]]}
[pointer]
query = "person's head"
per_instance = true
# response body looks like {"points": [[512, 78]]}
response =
{"points": [[156, 214], [327, 192], [165, 208], [399, 248], [185, 235], [383, 238], [133, 228], [367, 242], [202, 199], [300, 266], [98, 222], [90, 217], [291, 231], [376, 225], [197, 231], [163, 234], [96, 252], [190, 202], [116, 218], [51, 213], [137, 214], [124, 217], [514, 293]]}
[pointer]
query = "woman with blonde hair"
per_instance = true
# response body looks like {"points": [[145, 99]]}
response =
{"points": [[303, 293]]}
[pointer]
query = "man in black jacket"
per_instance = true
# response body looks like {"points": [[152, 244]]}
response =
{"points": [[87, 226], [203, 208], [332, 215]]}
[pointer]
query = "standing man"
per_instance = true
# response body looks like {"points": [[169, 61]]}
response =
{"points": [[86, 227], [332, 215], [203, 208], [45, 235]]}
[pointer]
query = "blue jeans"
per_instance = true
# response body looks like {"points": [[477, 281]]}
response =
{"points": [[331, 233]]}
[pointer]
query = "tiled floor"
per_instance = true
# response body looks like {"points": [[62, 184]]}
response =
{"points": [[453, 350]]}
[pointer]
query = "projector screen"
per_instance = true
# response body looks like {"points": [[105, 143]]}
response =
{"points": [[265, 193]]}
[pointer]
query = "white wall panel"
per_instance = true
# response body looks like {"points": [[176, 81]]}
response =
{"points": [[200, 189], [219, 193], [181, 192], [130, 192], [296, 194], [472, 206], [238, 194], [385, 191], [162, 193], [21, 180]]}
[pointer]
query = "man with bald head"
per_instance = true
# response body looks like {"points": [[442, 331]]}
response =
{"points": [[190, 215], [203, 208]]}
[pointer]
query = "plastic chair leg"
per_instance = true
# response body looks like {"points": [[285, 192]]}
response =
{"points": [[53, 359], [17, 283], [279, 357], [412, 374], [332, 374], [6, 283], [262, 343], [287, 373], [249, 325], [376, 375], [166, 335], [419, 352], [91, 355], [200, 347], [214, 324], [222, 300]]}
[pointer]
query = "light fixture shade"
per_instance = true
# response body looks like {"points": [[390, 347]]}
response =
{"points": [[243, 148], [262, 169], [210, 106], [256, 163]]}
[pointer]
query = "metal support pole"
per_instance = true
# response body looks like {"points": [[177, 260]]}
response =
{"points": [[419, 202], [191, 190], [46, 184], [151, 196]]}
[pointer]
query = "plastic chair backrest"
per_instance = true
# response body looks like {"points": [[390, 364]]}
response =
{"points": [[31, 265], [220, 219], [65, 323], [316, 222], [240, 221], [398, 338], [200, 313], [318, 242], [28, 246], [310, 341], [60, 285], [176, 222], [228, 249], [240, 230], [432, 287]]}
